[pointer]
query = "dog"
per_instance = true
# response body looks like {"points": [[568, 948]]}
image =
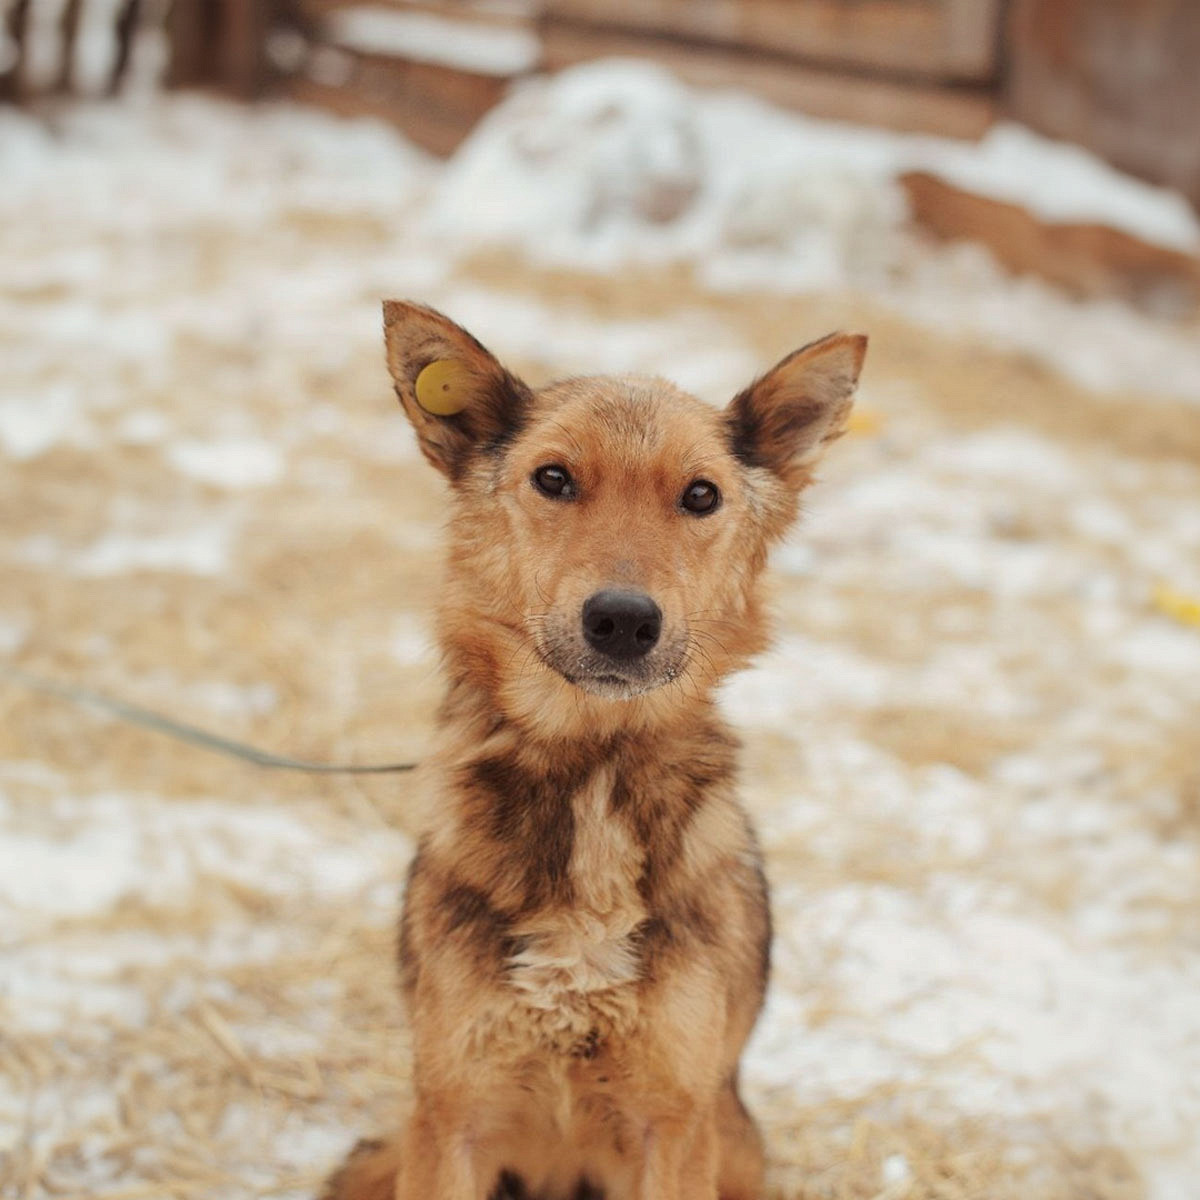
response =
{"points": [[585, 940]]}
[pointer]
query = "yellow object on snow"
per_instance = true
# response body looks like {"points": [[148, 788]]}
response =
{"points": [[444, 387], [1174, 603], [865, 421]]}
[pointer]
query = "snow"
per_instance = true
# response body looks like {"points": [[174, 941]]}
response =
{"points": [[13, 633], [925, 978], [605, 166], [143, 427], [617, 157], [703, 354], [200, 551], [993, 920], [955, 976], [1062, 182], [214, 696], [43, 43], [28, 429], [412, 646], [895, 1171], [110, 846], [613, 164], [423, 37], [95, 46], [229, 462], [568, 166]]}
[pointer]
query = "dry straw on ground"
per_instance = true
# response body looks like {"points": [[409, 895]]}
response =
{"points": [[200, 1004]]}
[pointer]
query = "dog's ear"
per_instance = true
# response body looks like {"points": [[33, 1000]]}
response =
{"points": [[459, 399], [785, 419]]}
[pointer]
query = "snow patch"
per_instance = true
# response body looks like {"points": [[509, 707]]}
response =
{"points": [[1062, 182], [29, 427], [411, 646], [693, 349], [109, 845], [1020, 1017], [143, 427], [203, 550], [228, 462], [423, 37], [616, 162], [13, 633]]}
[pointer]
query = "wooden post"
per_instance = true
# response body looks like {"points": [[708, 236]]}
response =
{"points": [[127, 25], [70, 31], [942, 40], [10, 80], [190, 29], [1119, 76], [241, 46]]}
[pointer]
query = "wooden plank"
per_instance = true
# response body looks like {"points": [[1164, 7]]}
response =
{"points": [[15, 20], [221, 43], [1087, 259], [64, 79], [457, 43], [127, 26], [499, 12], [241, 46], [69, 24], [1120, 77], [191, 35], [954, 40], [973, 31], [924, 108], [436, 135], [434, 105]]}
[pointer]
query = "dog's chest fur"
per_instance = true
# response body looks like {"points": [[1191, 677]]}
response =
{"points": [[576, 961]]}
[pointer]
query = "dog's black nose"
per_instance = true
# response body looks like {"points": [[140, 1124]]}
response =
{"points": [[621, 624]]}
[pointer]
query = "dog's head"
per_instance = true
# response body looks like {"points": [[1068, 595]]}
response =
{"points": [[608, 533]]}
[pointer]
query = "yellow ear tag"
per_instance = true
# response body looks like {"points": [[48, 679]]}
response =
{"points": [[444, 387]]}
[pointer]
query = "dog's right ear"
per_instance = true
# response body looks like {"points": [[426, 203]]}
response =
{"points": [[459, 399], [785, 419]]}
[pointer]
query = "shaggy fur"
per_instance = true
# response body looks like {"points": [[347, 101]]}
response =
{"points": [[585, 939]]}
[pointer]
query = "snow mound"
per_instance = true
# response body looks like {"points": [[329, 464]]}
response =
{"points": [[616, 163], [617, 160], [567, 160]]}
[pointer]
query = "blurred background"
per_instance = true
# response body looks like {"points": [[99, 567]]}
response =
{"points": [[974, 753]]}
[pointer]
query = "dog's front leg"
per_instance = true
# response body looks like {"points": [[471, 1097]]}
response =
{"points": [[663, 1146], [679, 1159], [441, 1160]]}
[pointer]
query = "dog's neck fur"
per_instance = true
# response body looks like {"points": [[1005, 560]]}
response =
{"points": [[514, 822]]}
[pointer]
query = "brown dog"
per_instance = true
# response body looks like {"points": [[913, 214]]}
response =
{"points": [[585, 939]]}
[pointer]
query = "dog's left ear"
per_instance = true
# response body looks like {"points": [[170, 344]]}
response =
{"points": [[458, 397], [785, 419]]}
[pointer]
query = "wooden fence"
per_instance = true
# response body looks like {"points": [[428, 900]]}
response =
{"points": [[1118, 76], [55, 48]]}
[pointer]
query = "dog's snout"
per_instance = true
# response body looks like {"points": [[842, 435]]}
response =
{"points": [[621, 624]]}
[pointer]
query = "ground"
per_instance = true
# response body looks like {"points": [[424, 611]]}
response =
{"points": [[973, 754]]}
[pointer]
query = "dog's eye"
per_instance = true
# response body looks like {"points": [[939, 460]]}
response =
{"points": [[700, 497], [553, 480]]}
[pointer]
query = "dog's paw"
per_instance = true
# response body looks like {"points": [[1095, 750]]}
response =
{"points": [[368, 1173]]}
